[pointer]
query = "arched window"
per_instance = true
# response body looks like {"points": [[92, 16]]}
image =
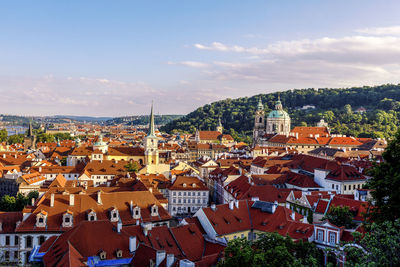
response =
{"points": [[281, 127], [260, 120], [28, 242], [42, 238]]}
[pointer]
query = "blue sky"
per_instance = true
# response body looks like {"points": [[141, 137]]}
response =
{"points": [[111, 58]]}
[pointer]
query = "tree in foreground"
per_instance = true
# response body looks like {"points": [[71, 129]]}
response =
{"points": [[271, 249], [381, 247], [386, 184]]}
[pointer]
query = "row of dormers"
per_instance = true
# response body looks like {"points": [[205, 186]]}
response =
{"points": [[67, 218]]}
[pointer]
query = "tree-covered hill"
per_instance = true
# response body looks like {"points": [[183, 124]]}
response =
{"points": [[143, 119], [335, 106]]}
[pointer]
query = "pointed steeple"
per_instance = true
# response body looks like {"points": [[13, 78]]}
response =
{"points": [[260, 105], [219, 122], [151, 125], [30, 132], [58, 142]]}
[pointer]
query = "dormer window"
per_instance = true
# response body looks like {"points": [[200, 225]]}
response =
{"points": [[136, 212], [194, 185], [184, 185], [92, 216], [67, 219], [41, 219], [154, 210], [103, 255], [118, 253], [114, 215]]}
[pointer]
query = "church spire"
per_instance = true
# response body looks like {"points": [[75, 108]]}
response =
{"points": [[260, 105], [30, 132], [151, 126]]}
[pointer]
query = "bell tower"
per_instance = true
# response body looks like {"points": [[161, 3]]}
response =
{"points": [[259, 122], [151, 143]]}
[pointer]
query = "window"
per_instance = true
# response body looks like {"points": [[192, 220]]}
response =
{"points": [[16, 240], [7, 240], [198, 193], [184, 193], [198, 201], [242, 236], [28, 242], [333, 186], [179, 201], [345, 188], [174, 209], [174, 200], [16, 256], [204, 201], [189, 201], [332, 238], [337, 187], [320, 235], [184, 200], [66, 219], [7, 255], [204, 194], [174, 193], [179, 193], [42, 239]]}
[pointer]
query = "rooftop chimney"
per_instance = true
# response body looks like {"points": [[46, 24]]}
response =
{"points": [[71, 199], [170, 260], [99, 198], [231, 204], [160, 256], [237, 204], [213, 207], [119, 226], [274, 206], [132, 244], [52, 200]]}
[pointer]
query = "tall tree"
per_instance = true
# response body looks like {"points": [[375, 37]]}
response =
{"points": [[386, 183]]}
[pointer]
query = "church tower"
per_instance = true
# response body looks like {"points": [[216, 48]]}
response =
{"points": [[219, 127], [259, 122], [151, 143], [278, 120]]}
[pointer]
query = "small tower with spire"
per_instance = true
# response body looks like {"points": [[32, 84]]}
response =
{"points": [[259, 122], [219, 127], [151, 143], [30, 139]]}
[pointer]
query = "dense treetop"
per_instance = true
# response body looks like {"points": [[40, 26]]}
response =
{"points": [[335, 106]]}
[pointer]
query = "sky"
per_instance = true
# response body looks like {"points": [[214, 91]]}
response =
{"points": [[112, 58]]}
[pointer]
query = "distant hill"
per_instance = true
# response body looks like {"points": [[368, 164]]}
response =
{"points": [[337, 106], [143, 119], [83, 118]]}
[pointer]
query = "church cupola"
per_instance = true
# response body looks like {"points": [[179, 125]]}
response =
{"points": [[278, 120]]}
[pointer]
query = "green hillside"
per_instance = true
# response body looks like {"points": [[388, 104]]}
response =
{"points": [[335, 106]]}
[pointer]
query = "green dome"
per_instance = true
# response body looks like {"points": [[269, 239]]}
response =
{"points": [[278, 114]]}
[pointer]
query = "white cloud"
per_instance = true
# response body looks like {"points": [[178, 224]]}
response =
{"points": [[393, 30], [193, 64], [322, 62]]}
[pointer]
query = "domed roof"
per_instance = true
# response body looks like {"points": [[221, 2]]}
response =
{"points": [[278, 112]]}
